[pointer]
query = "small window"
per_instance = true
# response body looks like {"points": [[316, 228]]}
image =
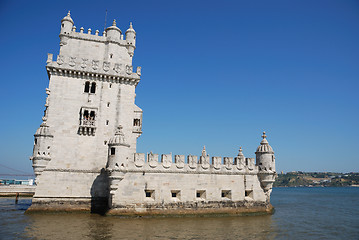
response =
{"points": [[111, 55], [93, 87], [104, 142], [201, 194], [35, 141], [136, 122], [248, 193], [92, 115], [226, 194], [107, 122], [108, 104], [175, 194], [150, 194], [87, 87], [110, 85], [113, 150]]}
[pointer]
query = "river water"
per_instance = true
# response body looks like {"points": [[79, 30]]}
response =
{"points": [[301, 213]]}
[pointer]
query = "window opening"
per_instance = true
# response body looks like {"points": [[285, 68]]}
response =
{"points": [[111, 55], [107, 121], [93, 87], [150, 194], [87, 87], [110, 86], [248, 193], [113, 151], [108, 104], [201, 194], [175, 193], [136, 122], [226, 194]]}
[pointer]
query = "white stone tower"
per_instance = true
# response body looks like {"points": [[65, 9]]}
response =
{"points": [[265, 161], [91, 92]]}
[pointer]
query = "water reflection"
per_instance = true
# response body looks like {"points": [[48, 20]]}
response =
{"points": [[83, 226]]}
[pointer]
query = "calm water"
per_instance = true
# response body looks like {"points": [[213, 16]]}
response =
{"points": [[301, 213]]}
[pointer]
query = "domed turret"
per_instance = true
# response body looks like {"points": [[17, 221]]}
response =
{"points": [[113, 33], [117, 150], [66, 24], [66, 27], [131, 40], [265, 155], [41, 153], [266, 166]]}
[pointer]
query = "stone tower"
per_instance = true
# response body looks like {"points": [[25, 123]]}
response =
{"points": [[265, 161], [91, 93]]}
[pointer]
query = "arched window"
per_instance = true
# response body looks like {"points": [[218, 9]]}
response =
{"points": [[87, 87], [93, 87]]}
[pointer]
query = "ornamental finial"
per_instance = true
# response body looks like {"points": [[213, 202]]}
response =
{"points": [[264, 135], [114, 22], [68, 14]]}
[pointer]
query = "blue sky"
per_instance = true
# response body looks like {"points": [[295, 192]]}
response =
{"points": [[214, 73]]}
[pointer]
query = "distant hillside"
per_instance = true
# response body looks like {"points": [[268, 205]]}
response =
{"points": [[317, 179]]}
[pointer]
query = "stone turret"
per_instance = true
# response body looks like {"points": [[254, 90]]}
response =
{"points": [[131, 40], [41, 153], [117, 160], [66, 27], [265, 161], [113, 33], [117, 151]]}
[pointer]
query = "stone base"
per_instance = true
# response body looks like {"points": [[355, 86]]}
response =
{"points": [[60, 205], [99, 206], [226, 208]]}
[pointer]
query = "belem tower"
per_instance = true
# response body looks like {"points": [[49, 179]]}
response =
{"points": [[85, 156]]}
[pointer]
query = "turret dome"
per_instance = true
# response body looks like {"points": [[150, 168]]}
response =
{"points": [[43, 130], [264, 147], [130, 29], [68, 18], [113, 27], [119, 138]]}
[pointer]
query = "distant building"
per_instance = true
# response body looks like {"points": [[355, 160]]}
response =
{"points": [[85, 150]]}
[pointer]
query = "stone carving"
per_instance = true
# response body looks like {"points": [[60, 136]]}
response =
{"points": [[95, 64], [60, 59], [166, 160], [204, 159], [152, 159], [117, 67], [139, 159], [128, 69], [250, 163], [216, 162], [138, 71], [239, 160], [106, 66], [228, 162], [72, 61], [179, 160], [192, 161], [84, 63]]}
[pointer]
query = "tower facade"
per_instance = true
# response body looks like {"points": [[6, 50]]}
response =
{"points": [[91, 92]]}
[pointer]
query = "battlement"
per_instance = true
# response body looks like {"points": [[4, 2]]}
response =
{"points": [[89, 35], [193, 164], [92, 68]]}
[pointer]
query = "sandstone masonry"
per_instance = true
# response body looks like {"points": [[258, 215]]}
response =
{"points": [[85, 155]]}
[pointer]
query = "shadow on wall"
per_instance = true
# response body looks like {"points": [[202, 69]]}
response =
{"points": [[100, 193]]}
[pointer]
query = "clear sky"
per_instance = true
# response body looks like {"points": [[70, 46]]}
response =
{"points": [[214, 73]]}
